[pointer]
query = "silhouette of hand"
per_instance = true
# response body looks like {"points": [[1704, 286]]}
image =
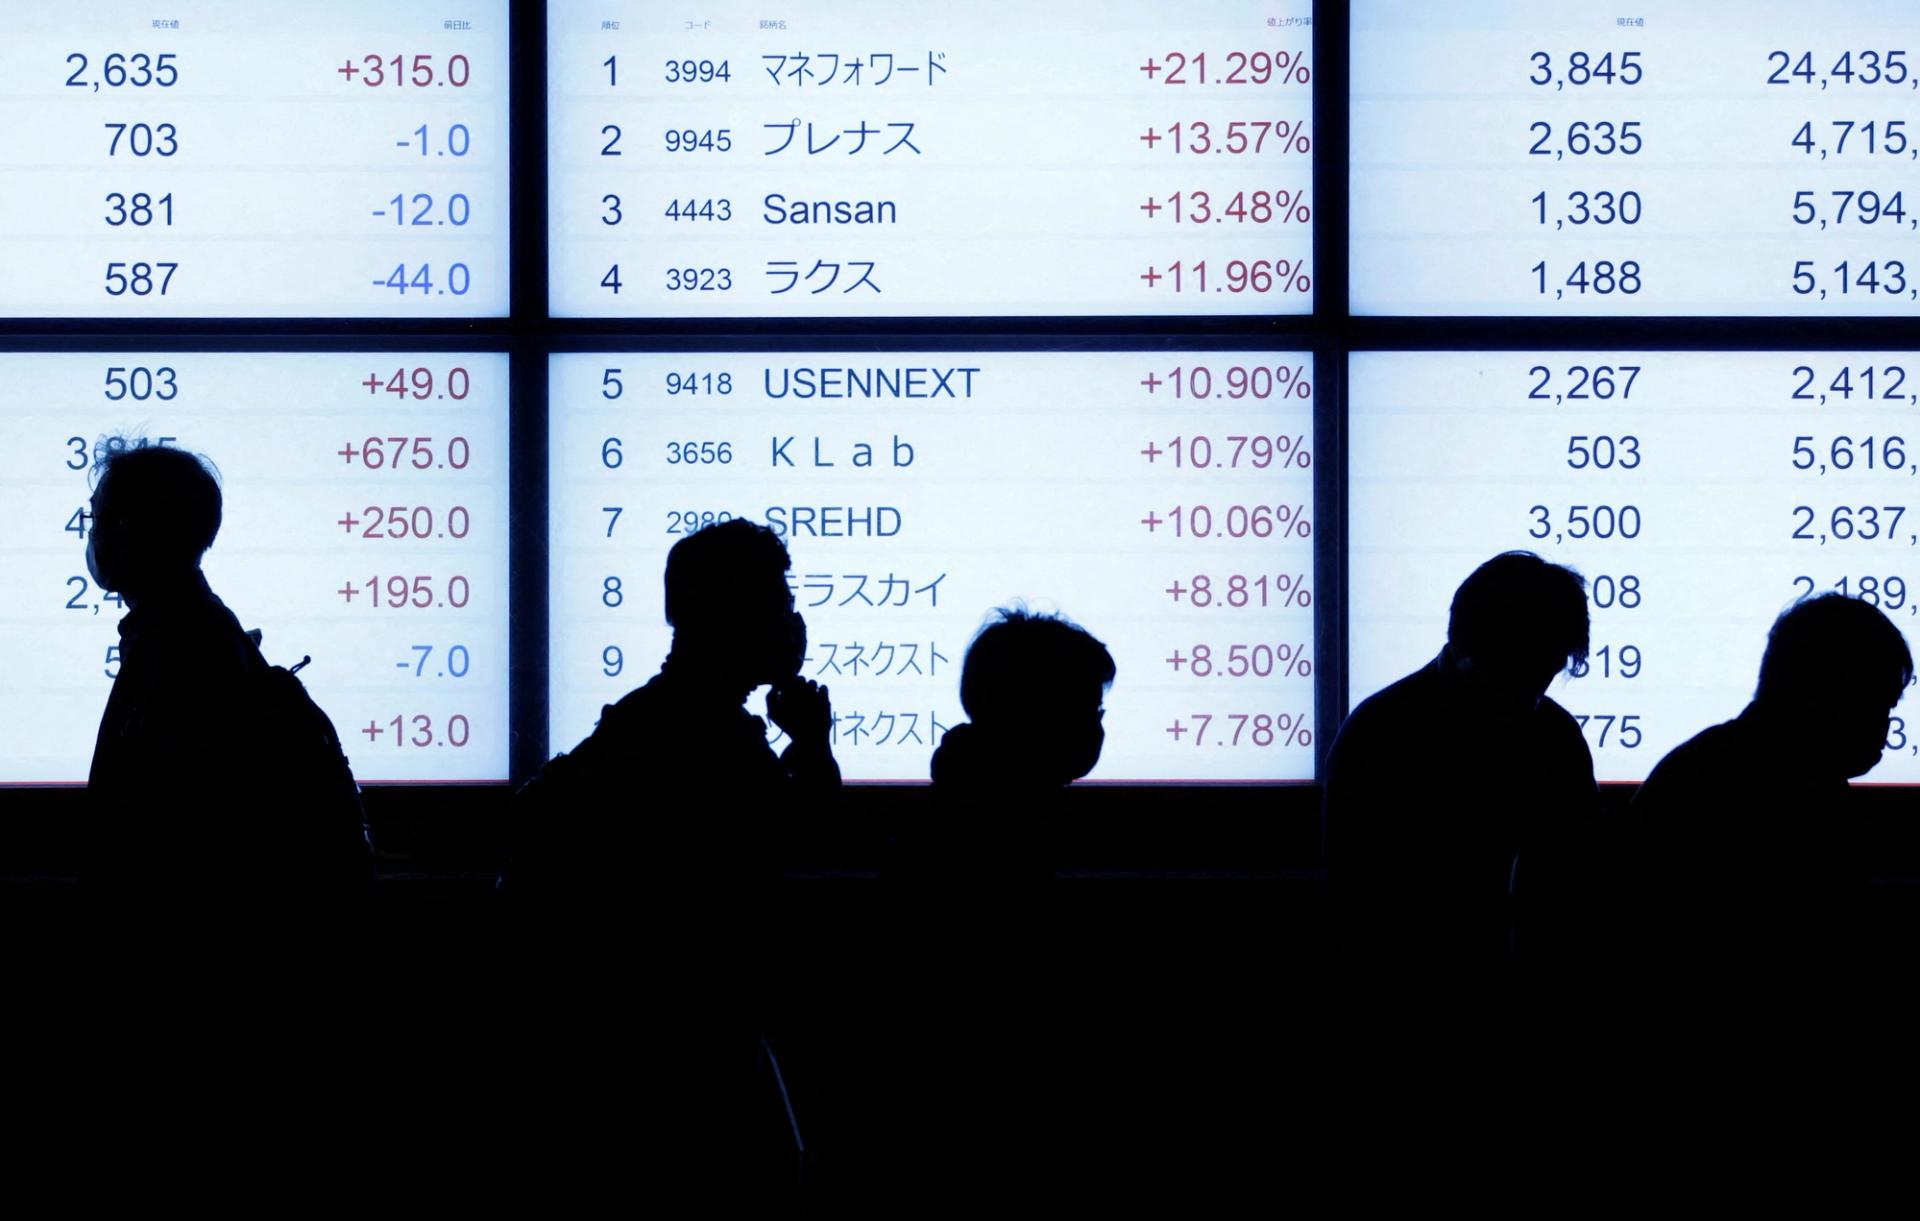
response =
{"points": [[802, 708]]}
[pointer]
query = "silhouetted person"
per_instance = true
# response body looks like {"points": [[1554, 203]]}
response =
{"points": [[1033, 687], [1749, 844], [677, 784], [213, 774], [981, 1036], [1459, 800], [646, 860]]}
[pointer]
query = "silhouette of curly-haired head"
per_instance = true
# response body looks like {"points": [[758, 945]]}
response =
{"points": [[1835, 666], [1518, 620], [728, 601], [156, 510], [1040, 679]]}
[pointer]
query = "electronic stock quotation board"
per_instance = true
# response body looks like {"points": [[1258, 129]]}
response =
{"points": [[219, 161], [207, 162], [1583, 161], [210, 159]]}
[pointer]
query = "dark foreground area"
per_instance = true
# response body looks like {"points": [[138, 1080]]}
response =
{"points": [[1170, 1030]]}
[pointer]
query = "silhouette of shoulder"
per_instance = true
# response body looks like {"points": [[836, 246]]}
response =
{"points": [[1732, 766], [1743, 859], [190, 630], [1562, 728], [1700, 767], [966, 762], [1382, 714], [184, 652], [984, 826], [665, 769], [692, 735], [1724, 796], [1427, 696]]}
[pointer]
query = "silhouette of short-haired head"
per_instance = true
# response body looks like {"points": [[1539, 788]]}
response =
{"points": [[1039, 680], [1518, 621], [729, 604], [1835, 666], [156, 510]]}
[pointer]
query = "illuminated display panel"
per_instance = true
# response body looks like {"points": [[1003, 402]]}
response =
{"points": [[1699, 493], [365, 526], [1163, 500], [873, 159], [227, 158], [1720, 157]]}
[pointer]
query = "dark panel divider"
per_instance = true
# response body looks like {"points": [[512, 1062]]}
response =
{"points": [[447, 840]]}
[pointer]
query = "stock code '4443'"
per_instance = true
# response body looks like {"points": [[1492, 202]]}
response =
{"points": [[364, 527], [1073, 158]]}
